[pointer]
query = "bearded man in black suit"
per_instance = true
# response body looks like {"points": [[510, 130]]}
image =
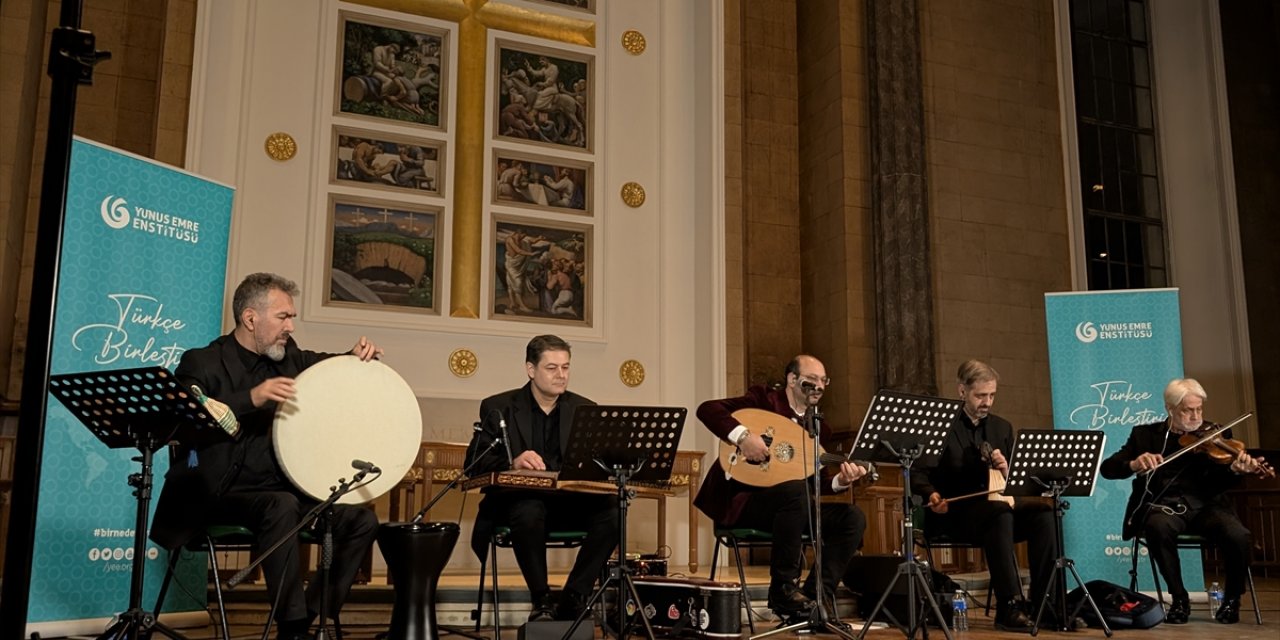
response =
{"points": [[237, 480]]}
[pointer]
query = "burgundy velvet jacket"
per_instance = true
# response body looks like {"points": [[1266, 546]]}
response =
{"points": [[720, 498]]}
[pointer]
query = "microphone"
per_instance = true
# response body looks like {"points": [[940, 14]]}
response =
{"points": [[506, 440], [808, 387], [985, 451], [367, 467]]}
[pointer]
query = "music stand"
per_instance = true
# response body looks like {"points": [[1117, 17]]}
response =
{"points": [[143, 408], [906, 429], [1056, 463], [622, 444]]}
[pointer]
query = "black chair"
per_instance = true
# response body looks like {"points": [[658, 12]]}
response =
{"points": [[737, 539], [217, 539], [1187, 541], [502, 538], [224, 539]]}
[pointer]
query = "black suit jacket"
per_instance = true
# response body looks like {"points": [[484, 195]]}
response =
{"points": [[516, 407], [200, 474], [1197, 481], [960, 469]]}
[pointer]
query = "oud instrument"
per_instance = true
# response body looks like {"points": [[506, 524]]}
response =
{"points": [[788, 445]]}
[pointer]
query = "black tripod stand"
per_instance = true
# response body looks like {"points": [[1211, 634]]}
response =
{"points": [[145, 409], [324, 513], [1054, 463], [917, 425], [627, 444], [916, 572], [820, 618], [619, 574], [1062, 565]]}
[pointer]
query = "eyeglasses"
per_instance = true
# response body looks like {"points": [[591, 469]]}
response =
{"points": [[815, 379]]}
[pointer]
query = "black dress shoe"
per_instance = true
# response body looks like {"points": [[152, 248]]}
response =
{"points": [[1012, 616], [828, 596], [788, 601], [1179, 611], [1229, 612], [570, 606], [544, 609]]}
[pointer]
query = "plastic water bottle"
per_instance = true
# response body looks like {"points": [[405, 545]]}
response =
{"points": [[959, 612], [1215, 597]]}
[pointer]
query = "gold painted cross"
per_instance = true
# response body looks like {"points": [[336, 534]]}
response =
{"points": [[475, 18]]}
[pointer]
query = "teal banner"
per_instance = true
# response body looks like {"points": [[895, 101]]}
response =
{"points": [[141, 279], [1111, 353]]}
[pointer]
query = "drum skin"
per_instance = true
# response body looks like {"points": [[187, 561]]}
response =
{"points": [[345, 409]]}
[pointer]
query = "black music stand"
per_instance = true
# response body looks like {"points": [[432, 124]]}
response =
{"points": [[1055, 463], [622, 444], [143, 408], [906, 429]]}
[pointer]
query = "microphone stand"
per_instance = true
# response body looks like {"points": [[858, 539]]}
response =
{"points": [[819, 620], [326, 549], [466, 472]]}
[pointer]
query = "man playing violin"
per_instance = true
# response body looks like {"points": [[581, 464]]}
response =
{"points": [[975, 445], [782, 509], [1187, 495]]}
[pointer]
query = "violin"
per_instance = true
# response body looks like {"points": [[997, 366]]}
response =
{"points": [[1220, 449]]}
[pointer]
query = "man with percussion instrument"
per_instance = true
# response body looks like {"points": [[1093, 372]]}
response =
{"points": [[238, 480], [972, 460], [782, 509], [1187, 495], [532, 424]]}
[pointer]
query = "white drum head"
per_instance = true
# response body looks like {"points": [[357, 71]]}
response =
{"points": [[347, 410]]}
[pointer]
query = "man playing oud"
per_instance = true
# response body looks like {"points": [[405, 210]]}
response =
{"points": [[782, 509]]}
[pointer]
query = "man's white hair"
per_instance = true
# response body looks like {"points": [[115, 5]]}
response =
{"points": [[1179, 389]]}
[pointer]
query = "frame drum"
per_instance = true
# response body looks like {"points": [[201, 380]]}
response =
{"points": [[347, 410]]}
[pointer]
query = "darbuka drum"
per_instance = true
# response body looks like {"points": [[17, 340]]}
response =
{"points": [[345, 410], [416, 554]]}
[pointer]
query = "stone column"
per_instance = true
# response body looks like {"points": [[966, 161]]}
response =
{"points": [[899, 202]]}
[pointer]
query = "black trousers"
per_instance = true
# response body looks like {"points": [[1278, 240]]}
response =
{"points": [[996, 528], [530, 514], [783, 510], [270, 515], [1217, 523]]}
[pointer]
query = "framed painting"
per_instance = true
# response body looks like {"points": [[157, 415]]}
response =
{"points": [[581, 5], [382, 254], [386, 161], [541, 271], [391, 71], [542, 183], [544, 96]]}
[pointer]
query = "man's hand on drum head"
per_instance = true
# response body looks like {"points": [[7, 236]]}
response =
{"points": [[365, 350], [279, 389]]}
